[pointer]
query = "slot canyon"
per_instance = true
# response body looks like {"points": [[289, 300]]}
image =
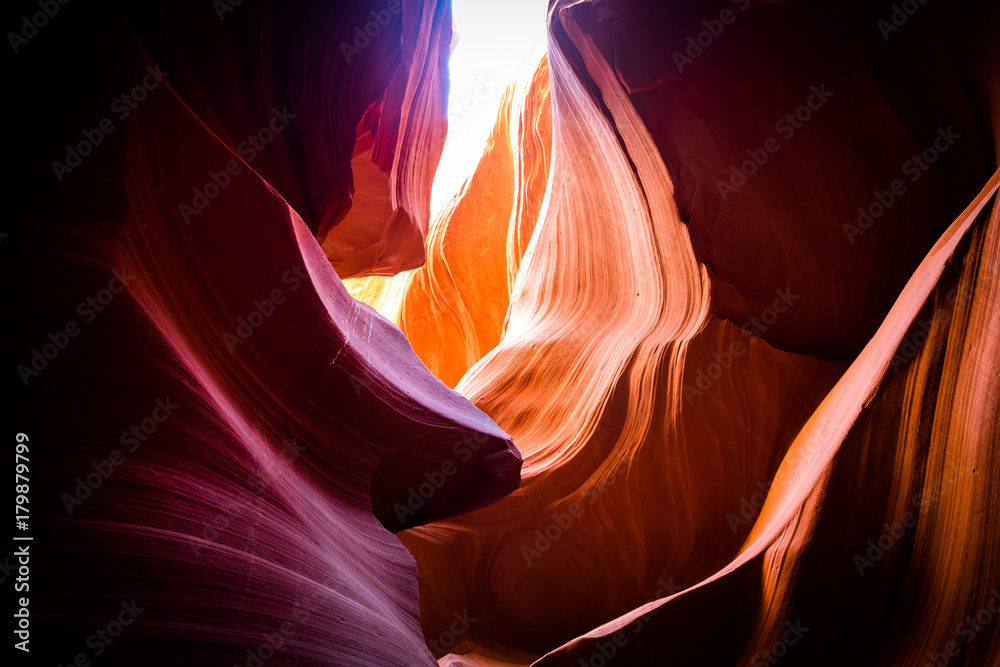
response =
{"points": [[619, 332]]}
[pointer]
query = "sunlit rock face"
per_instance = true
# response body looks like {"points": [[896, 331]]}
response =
{"points": [[785, 124], [701, 366], [453, 309], [721, 388]]}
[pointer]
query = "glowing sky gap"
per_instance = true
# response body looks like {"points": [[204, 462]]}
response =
{"points": [[495, 43]]}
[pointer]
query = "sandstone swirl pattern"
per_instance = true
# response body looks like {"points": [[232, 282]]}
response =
{"points": [[650, 390], [652, 425]]}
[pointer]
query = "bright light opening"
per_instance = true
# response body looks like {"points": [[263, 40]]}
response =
{"points": [[496, 40]]}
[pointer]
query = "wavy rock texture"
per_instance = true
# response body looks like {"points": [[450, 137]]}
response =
{"points": [[319, 62], [293, 427], [452, 310], [644, 479], [751, 426], [876, 111]]}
